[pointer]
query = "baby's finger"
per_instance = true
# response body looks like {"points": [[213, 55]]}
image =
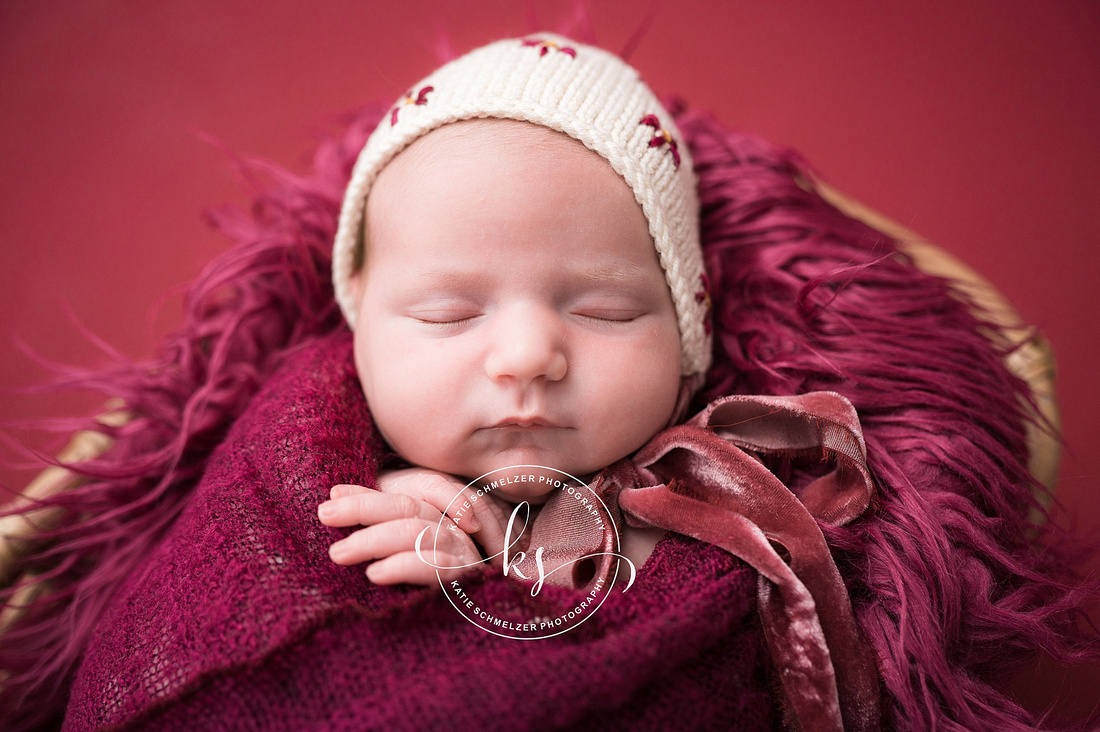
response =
{"points": [[445, 494], [372, 507], [408, 567], [494, 517], [394, 537], [347, 489]]}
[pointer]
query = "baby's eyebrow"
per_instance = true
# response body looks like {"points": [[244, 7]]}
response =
{"points": [[614, 273], [450, 278], [603, 273]]}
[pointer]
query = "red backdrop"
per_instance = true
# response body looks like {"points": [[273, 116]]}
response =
{"points": [[975, 124]]}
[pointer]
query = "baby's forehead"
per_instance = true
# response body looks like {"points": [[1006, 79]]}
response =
{"points": [[509, 186], [487, 134], [442, 165]]}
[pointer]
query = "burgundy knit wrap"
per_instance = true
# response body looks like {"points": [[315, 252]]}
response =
{"points": [[239, 619], [217, 598]]}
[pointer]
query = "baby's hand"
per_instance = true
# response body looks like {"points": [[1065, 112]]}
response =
{"points": [[407, 502]]}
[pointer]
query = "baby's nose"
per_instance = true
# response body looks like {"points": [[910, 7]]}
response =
{"points": [[528, 344]]}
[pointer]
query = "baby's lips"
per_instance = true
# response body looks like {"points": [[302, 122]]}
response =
{"points": [[525, 421]]}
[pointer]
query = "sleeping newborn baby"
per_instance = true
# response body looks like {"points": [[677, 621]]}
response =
{"points": [[525, 286]]}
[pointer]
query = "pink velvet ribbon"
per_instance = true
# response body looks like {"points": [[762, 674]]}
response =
{"points": [[703, 479]]}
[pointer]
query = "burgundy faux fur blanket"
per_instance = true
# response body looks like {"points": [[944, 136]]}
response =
{"points": [[239, 618]]}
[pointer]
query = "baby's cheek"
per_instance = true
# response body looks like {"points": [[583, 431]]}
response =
{"points": [[414, 410], [642, 390], [384, 383]]}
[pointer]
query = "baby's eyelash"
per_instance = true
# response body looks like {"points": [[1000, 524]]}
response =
{"points": [[444, 323], [604, 319]]}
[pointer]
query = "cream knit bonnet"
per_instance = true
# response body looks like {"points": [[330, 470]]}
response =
{"points": [[579, 90]]}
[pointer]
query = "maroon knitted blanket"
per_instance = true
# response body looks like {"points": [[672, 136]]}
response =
{"points": [[239, 619], [216, 605]]}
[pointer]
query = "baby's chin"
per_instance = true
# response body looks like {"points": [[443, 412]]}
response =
{"points": [[539, 461], [530, 483], [533, 497], [515, 481]]}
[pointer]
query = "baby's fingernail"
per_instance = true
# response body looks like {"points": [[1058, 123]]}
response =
{"points": [[337, 550], [326, 510], [475, 525], [337, 491]]}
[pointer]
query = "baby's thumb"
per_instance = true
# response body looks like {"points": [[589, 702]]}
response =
{"points": [[493, 533]]}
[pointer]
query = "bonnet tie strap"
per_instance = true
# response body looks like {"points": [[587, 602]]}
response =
{"points": [[702, 479]]}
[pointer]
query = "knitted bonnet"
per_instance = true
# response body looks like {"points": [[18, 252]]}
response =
{"points": [[584, 92]]}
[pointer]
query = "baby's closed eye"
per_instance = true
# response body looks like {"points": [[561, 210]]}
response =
{"points": [[445, 317], [610, 315], [444, 314]]}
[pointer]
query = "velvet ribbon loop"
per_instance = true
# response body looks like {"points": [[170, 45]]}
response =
{"points": [[703, 479]]}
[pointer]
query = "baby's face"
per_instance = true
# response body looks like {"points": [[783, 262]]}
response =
{"points": [[512, 309]]}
